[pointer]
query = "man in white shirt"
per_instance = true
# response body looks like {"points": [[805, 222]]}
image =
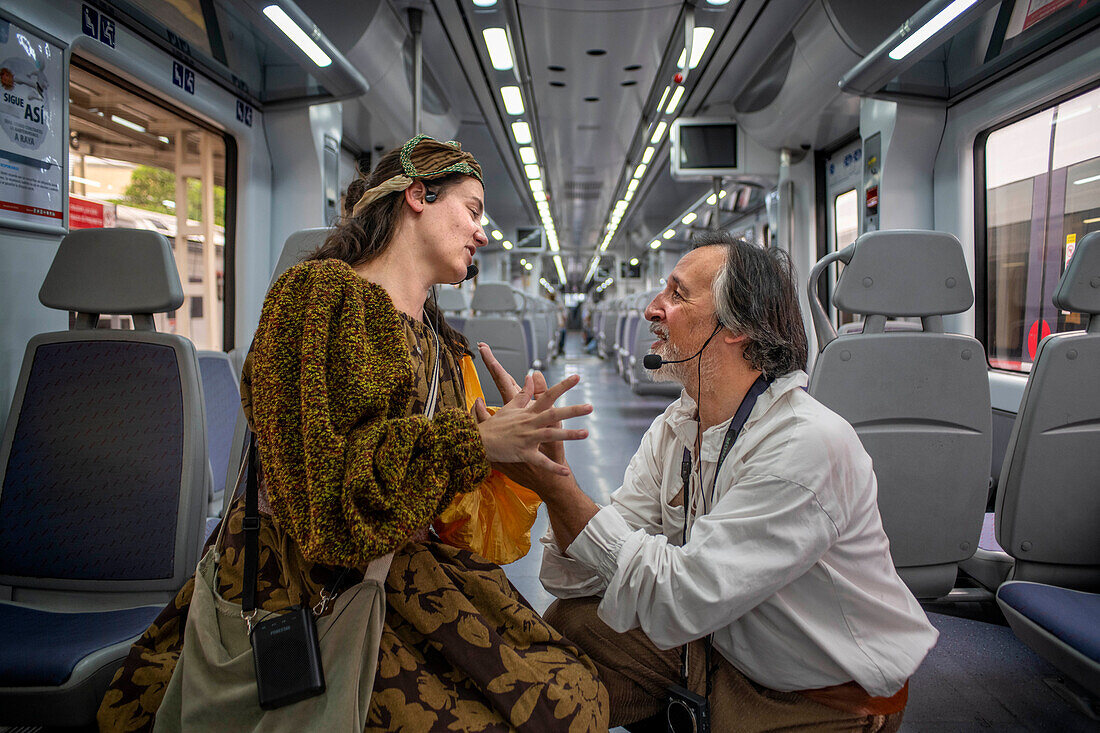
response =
{"points": [[784, 561]]}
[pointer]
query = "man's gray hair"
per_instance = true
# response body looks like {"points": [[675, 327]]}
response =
{"points": [[755, 296]]}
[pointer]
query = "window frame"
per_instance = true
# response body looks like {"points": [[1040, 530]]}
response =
{"points": [[229, 258], [981, 244]]}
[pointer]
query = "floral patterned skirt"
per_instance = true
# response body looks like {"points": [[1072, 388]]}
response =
{"points": [[461, 649]]}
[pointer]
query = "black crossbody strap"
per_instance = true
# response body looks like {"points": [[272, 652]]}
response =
{"points": [[739, 419], [251, 528]]}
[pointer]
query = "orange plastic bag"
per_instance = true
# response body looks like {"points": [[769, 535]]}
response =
{"points": [[495, 519]]}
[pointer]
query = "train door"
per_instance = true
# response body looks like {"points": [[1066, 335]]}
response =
{"points": [[137, 162], [843, 171]]}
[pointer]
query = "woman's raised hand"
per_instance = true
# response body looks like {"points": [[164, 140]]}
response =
{"points": [[528, 419]]}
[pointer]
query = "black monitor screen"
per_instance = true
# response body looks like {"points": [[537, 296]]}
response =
{"points": [[529, 238], [708, 146]]}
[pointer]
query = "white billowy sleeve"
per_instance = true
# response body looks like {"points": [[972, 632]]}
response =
{"points": [[762, 534], [636, 505]]}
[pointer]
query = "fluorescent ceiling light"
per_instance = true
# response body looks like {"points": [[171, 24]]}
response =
{"points": [[669, 234], [655, 244], [126, 123], [535, 184], [675, 101], [560, 268], [521, 131], [513, 100], [1091, 221], [484, 220], [506, 244], [491, 3], [496, 41], [497, 235], [633, 260], [532, 171], [689, 217], [718, 2], [528, 266], [163, 139], [279, 17], [647, 155], [523, 260], [539, 195], [664, 96], [712, 199], [699, 40], [640, 170], [632, 186], [658, 132], [527, 155], [629, 194], [926, 31], [1090, 179]]}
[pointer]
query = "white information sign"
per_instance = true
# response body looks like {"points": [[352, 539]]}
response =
{"points": [[32, 181]]}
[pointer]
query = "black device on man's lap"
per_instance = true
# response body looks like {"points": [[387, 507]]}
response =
{"points": [[686, 712]]}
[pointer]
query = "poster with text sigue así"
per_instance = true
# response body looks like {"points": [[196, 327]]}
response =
{"points": [[32, 184]]}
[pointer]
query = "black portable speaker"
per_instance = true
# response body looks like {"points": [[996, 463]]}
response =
{"points": [[287, 658]]}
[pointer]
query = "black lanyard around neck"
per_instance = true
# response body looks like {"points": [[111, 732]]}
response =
{"points": [[736, 424]]}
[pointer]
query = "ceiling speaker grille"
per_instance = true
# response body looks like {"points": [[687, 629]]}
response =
{"points": [[587, 190]]}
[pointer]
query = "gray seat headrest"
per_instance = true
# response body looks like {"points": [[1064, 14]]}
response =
{"points": [[451, 299], [119, 271], [297, 246], [496, 298], [904, 273], [1079, 289]]}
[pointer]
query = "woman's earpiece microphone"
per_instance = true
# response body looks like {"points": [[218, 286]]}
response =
{"points": [[656, 361]]}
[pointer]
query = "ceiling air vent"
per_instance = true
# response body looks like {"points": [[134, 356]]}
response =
{"points": [[585, 190]]}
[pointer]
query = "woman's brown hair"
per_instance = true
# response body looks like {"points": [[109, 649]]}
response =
{"points": [[359, 239]]}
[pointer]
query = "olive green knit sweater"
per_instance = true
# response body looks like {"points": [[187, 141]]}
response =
{"points": [[348, 474]]}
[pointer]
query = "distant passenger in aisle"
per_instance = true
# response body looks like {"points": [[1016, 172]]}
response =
{"points": [[336, 387], [776, 561]]}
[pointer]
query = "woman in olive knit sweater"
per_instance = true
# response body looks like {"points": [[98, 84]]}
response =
{"points": [[335, 387]]}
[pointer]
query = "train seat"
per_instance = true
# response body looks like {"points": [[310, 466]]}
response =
{"points": [[454, 303], [103, 478], [295, 249], [891, 325], [1047, 501], [919, 400], [497, 322], [222, 400], [1061, 625]]}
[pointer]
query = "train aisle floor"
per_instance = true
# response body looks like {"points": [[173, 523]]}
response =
{"points": [[978, 677]]}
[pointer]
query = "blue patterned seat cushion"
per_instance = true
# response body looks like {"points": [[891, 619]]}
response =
{"points": [[1069, 615], [41, 648]]}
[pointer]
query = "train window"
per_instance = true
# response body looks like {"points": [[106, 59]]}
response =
{"points": [[136, 162], [1042, 195]]}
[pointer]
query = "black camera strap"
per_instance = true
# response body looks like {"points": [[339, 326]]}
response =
{"points": [[736, 424]]}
